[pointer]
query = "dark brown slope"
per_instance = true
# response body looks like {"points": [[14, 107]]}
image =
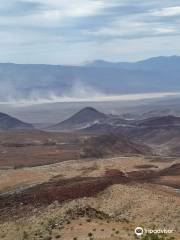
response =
{"points": [[165, 140], [173, 170], [112, 145], [160, 133]]}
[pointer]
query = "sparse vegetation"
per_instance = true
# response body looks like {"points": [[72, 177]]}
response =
{"points": [[58, 236], [90, 234], [157, 237], [88, 220]]}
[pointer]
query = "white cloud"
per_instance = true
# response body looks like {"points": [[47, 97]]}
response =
{"points": [[133, 28], [73, 31], [122, 28], [143, 24], [56, 10], [166, 12], [166, 30], [55, 13]]}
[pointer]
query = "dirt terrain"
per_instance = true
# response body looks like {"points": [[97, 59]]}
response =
{"points": [[49, 188], [90, 198], [32, 148]]}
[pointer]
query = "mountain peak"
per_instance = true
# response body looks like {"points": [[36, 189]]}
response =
{"points": [[83, 118], [99, 63], [87, 114], [88, 109]]}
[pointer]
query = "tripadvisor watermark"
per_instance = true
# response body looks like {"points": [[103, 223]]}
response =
{"points": [[139, 231]]}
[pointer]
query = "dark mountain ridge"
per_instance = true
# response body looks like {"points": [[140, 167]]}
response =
{"points": [[10, 123], [85, 117], [168, 120], [154, 63]]}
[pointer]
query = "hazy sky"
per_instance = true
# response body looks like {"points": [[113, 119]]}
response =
{"points": [[75, 31]]}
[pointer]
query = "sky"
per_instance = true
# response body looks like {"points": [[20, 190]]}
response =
{"points": [[80, 31]]}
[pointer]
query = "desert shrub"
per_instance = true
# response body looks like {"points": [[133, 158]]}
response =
{"points": [[90, 234], [88, 220], [51, 223], [25, 235], [58, 236], [156, 237], [19, 166], [47, 237]]}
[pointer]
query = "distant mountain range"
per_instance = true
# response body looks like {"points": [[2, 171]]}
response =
{"points": [[10, 123], [156, 63], [42, 81]]}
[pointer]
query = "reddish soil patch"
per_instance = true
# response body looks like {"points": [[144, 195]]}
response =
{"points": [[144, 166], [114, 173], [69, 189], [143, 175], [63, 190], [60, 190]]}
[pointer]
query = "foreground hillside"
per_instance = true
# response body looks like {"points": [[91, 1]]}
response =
{"points": [[98, 199]]}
